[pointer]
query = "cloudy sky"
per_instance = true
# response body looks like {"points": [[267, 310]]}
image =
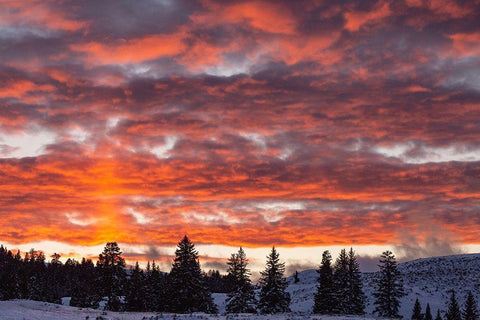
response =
{"points": [[303, 124]]}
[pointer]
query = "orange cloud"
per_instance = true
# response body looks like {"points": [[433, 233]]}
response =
{"points": [[466, 44], [40, 14], [132, 51], [357, 19], [19, 89], [263, 16]]}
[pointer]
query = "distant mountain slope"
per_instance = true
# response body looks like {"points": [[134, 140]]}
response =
{"points": [[428, 279]]}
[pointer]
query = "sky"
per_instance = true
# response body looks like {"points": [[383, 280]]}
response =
{"points": [[308, 125]]}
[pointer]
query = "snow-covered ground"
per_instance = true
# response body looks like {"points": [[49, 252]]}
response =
{"points": [[35, 310], [430, 280]]}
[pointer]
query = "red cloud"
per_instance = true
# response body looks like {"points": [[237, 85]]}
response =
{"points": [[132, 51], [40, 14]]}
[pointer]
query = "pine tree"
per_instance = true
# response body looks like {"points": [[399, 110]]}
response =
{"points": [[37, 283], [417, 311], [341, 283], [438, 317], [85, 290], [324, 298], [273, 295], [155, 288], [295, 277], [428, 313], [453, 312], [111, 269], [355, 296], [389, 288], [470, 312], [9, 274], [135, 297], [188, 291], [241, 299]]}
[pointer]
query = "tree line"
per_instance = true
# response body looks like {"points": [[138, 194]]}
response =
{"points": [[470, 311], [187, 289]]}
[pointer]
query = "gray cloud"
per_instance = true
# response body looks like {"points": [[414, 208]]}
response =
{"points": [[437, 242]]}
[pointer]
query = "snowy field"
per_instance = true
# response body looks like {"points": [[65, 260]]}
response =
{"points": [[35, 310]]}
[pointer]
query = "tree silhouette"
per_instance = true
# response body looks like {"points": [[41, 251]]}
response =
{"points": [[453, 312], [389, 288], [241, 299], [470, 312], [273, 295], [324, 298], [111, 269], [187, 289]]}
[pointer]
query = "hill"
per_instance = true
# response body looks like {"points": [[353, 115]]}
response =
{"points": [[430, 280]]}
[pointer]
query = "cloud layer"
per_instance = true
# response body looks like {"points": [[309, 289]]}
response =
{"points": [[254, 123]]}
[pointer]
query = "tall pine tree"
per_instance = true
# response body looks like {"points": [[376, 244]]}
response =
{"points": [[188, 291], [417, 311], [439, 316], [470, 312], [342, 283], [355, 296], [324, 298], [453, 312], [135, 295], [241, 299], [389, 288], [9, 274], [273, 295], [111, 269], [428, 313]]}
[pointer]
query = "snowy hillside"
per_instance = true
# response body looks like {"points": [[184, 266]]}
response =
{"points": [[428, 279]]}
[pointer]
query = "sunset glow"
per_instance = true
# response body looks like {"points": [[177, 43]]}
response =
{"points": [[299, 124]]}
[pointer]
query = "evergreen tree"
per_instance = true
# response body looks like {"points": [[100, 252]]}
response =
{"points": [[324, 298], [188, 291], [155, 288], [453, 312], [37, 272], [355, 296], [9, 274], [85, 291], [135, 297], [111, 269], [53, 283], [417, 311], [341, 283], [428, 313], [295, 277], [213, 279], [273, 295], [470, 312], [241, 298], [389, 288], [438, 317]]}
